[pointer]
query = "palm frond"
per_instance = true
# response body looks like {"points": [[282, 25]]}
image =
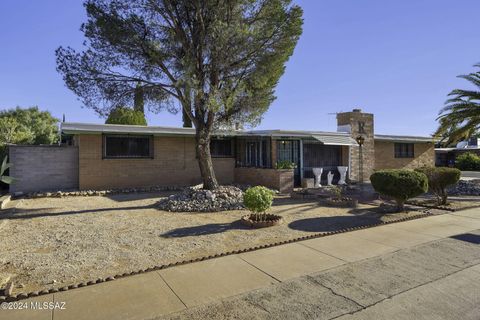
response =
{"points": [[460, 117]]}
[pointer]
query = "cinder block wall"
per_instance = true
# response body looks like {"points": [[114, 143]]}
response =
{"points": [[424, 155], [174, 164], [43, 168]]}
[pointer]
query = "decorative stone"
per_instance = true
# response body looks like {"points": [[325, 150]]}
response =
{"points": [[195, 199], [466, 187], [4, 279], [8, 289]]}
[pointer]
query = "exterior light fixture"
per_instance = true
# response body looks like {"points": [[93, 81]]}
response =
{"points": [[360, 140]]}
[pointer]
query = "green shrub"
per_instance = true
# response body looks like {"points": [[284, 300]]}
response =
{"points": [[124, 115], [439, 179], [337, 192], [285, 164], [468, 161], [258, 200], [399, 184], [4, 178]]}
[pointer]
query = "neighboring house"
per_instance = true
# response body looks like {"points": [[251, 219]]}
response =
{"points": [[445, 157], [122, 156]]}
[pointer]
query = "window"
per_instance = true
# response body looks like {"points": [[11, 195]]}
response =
{"points": [[128, 147], [404, 150], [253, 153], [221, 148]]}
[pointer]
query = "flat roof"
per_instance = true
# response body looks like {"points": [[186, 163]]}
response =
{"points": [[396, 138], [89, 128], [324, 136], [456, 149]]}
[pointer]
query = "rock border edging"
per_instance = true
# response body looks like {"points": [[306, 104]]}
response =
{"points": [[94, 193]]}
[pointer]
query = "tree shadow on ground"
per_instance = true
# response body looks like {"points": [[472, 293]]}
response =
{"points": [[17, 213], [203, 230], [328, 224]]}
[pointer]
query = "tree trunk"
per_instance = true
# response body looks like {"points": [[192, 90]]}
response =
{"points": [[187, 122], [400, 205], [205, 159], [444, 197]]}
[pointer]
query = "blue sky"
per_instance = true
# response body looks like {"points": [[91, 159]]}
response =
{"points": [[396, 59]]}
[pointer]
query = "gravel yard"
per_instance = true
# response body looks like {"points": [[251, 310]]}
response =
{"points": [[53, 242]]}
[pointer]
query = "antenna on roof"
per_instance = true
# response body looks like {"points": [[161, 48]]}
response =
{"points": [[63, 118]]}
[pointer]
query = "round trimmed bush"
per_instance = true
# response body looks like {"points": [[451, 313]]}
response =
{"points": [[439, 179], [399, 184], [258, 199]]}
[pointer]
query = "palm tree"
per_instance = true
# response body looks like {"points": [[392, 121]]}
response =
{"points": [[460, 118]]}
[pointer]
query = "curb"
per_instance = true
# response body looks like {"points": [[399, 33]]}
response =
{"points": [[22, 296]]}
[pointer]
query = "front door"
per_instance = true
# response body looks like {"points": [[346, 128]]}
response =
{"points": [[289, 150]]}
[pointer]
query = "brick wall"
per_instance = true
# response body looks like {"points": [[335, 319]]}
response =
{"points": [[281, 180], [174, 164], [358, 121], [424, 155], [43, 168]]}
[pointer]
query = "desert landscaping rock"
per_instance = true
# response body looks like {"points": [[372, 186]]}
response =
{"points": [[8, 290], [94, 193], [466, 187], [4, 279], [195, 199]]}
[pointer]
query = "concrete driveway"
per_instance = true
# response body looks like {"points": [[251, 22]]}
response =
{"points": [[470, 175]]}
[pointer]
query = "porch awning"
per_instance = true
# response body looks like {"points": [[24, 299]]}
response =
{"points": [[335, 140]]}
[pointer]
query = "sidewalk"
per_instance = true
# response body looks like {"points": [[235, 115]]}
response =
{"points": [[175, 289]]}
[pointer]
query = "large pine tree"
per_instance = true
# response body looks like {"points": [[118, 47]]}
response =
{"points": [[219, 60]]}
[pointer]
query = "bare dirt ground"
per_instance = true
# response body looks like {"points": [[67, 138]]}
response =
{"points": [[54, 242], [453, 202]]}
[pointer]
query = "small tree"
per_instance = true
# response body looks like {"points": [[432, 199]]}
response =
{"points": [[124, 115], [401, 185], [439, 179], [258, 200], [28, 126]]}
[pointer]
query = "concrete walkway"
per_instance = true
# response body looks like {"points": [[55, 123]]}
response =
{"points": [[365, 274], [470, 175]]}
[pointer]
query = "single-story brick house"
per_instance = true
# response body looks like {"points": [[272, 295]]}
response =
{"points": [[123, 156]]}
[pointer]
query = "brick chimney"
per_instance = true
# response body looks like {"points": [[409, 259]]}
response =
{"points": [[359, 123]]}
